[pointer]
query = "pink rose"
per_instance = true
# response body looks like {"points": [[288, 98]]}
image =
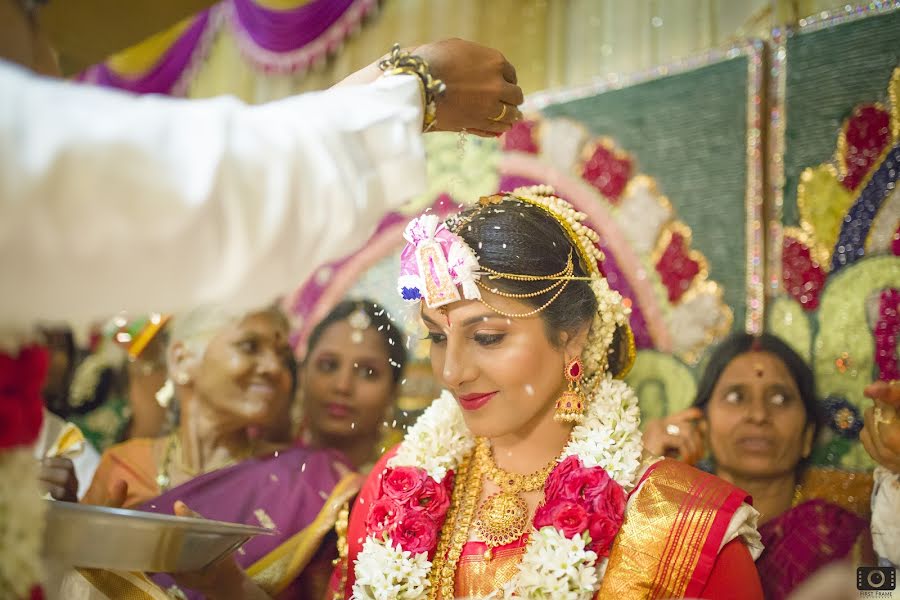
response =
{"points": [[554, 485], [403, 483], [585, 484], [433, 500], [610, 503], [602, 531], [383, 516], [569, 517], [415, 532]]}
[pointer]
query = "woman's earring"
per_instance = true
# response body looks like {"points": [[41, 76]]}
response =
{"points": [[165, 394], [570, 405], [182, 378]]}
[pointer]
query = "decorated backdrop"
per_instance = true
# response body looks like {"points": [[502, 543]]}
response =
{"points": [[834, 218]]}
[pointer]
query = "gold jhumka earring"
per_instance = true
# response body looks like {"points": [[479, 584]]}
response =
{"points": [[570, 405]]}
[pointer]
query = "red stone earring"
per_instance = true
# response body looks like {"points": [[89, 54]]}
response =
{"points": [[570, 405]]}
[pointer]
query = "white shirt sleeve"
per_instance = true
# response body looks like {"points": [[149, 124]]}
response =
{"points": [[113, 202], [886, 515]]}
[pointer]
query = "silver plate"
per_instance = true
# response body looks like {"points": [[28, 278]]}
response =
{"points": [[82, 535]]}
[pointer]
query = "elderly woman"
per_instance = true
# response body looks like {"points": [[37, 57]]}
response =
{"points": [[349, 382], [233, 378], [756, 402]]}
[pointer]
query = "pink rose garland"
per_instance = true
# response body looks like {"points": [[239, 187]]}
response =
{"points": [[579, 499], [410, 509]]}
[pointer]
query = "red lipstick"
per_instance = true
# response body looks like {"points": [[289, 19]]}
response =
{"points": [[475, 401]]}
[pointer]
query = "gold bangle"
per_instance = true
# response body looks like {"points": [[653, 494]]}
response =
{"points": [[402, 62]]}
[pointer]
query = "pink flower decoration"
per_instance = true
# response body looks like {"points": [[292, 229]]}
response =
{"points": [[403, 483], [433, 500], [585, 485], [603, 532], [561, 472], [383, 516], [567, 516], [415, 532]]}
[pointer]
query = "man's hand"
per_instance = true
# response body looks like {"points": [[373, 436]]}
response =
{"points": [[482, 93]]}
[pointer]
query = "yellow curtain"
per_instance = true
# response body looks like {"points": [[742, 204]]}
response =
{"points": [[553, 43]]}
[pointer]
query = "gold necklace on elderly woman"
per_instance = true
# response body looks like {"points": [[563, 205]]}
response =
{"points": [[173, 449], [503, 517]]}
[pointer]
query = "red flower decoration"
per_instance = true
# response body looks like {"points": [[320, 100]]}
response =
{"points": [[603, 532], [802, 277], [433, 500], [403, 483], [37, 593], [521, 138], [586, 485], [558, 476], [676, 267], [383, 516], [609, 501], [21, 404], [415, 532], [568, 516], [887, 329], [866, 134], [608, 171]]}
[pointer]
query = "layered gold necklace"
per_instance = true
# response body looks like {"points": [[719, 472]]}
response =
{"points": [[502, 518]]}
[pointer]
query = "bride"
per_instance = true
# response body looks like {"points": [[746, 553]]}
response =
{"points": [[527, 478]]}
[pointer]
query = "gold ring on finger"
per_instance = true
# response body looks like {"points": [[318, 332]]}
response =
{"points": [[502, 113]]}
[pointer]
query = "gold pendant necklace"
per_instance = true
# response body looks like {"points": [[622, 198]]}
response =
{"points": [[503, 517]]}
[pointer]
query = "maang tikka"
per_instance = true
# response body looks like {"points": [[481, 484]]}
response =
{"points": [[570, 404]]}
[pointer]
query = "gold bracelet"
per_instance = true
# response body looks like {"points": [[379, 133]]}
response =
{"points": [[399, 62]]}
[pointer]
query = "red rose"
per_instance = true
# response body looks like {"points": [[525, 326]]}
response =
{"points": [[403, 483], [561, 472], [569, 517], [585, 484], [415, 532], [383, 516], [610, 503], [21, 403], [602, 531], [433, 500]]}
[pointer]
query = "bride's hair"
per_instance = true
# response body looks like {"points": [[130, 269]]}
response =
{"points": [[517, 237]]}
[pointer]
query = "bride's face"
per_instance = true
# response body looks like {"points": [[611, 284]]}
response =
{"points": [[504, 372]]}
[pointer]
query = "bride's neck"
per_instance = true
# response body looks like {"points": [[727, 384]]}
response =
{"points": [[534, 446]]}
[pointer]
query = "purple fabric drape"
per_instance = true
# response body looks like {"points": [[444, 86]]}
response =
{"points": [[287, 30], [163, 77], [290, 489], [285, 41]]}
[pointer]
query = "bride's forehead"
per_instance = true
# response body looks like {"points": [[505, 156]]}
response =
{"points": [[459, 310]]}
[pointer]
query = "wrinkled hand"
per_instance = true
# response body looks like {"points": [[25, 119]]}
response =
{"points": [[58, 478], [686, 445], [880, 435], [480, 81]]}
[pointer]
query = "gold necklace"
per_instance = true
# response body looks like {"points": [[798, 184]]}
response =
{"points": [[173, 448], [503, 517], [455, 532]]}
